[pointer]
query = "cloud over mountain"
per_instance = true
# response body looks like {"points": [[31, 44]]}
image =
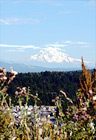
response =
{"points": [[52, 55]]}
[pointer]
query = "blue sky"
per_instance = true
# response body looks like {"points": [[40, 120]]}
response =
{"points": [[37, 32]]}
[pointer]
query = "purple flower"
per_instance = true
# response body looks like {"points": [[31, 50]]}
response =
{"points": [[75, 117], [84, 117], [90, 91], [83, 104]]}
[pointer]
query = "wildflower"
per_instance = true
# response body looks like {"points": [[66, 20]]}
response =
{"points": [[83, 104], [92, 125], [94, 98], [13, 72], [23, 91], [13, 138], [61, 131], [60, 96], [37, 94], [3, 78], [12, 123], [3, 71], [18, 88], [57, 98], [53, 101], [12, 75], [51, 125], [75, 117], [16, 92], [84, 117], [85, 109], [90, 91]]}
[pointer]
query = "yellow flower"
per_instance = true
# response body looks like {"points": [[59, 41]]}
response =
{"points": [[58, 138], [61, 132], [51, 124], [83, 139]]}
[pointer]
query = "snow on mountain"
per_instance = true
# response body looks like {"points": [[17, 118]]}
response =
{"points": [[52, 55]]}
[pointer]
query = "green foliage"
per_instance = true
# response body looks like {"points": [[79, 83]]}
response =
{"points": [[47, 85]]}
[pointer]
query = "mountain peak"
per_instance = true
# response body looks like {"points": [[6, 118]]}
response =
{"points": [[52, 55]]}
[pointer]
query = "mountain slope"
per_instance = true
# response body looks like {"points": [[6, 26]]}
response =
{"points": [[53, 55]]}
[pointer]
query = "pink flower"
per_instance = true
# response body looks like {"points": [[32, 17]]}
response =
{"points": [[18, 88], [90, 91], [75, 117], [16, 92], [84, 117], [53, 101], [13, 72], [57, 98]]}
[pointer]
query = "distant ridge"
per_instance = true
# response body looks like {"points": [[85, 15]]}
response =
{"points": [[22, 68]]}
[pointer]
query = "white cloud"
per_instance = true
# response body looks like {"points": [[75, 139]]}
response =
{"points": [[19, 46], [4, 22], [12, 21], [15, 50], [52, 55], [68, 42], [78, 42], [83, 43], [56, 45]]}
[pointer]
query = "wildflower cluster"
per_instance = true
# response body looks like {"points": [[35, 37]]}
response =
{"points": [[21, 91], [4, 80], [81, 118]]}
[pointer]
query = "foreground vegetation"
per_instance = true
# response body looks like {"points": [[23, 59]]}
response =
{"points": [[77, 122]]}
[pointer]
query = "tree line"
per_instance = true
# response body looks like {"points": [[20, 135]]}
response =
{"points": [[47, 84]]}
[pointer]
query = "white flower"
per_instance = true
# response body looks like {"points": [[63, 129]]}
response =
{"points": [[40, 131], [94, 98], [12, 123], [28, 112], [85, 108], [14, 138], [4, 78], [48, 116], [46, 138], [14, 72], [26, 107], [92, 125]]}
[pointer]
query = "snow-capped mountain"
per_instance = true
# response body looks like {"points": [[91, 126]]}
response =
{"points": [[53, 55]]}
